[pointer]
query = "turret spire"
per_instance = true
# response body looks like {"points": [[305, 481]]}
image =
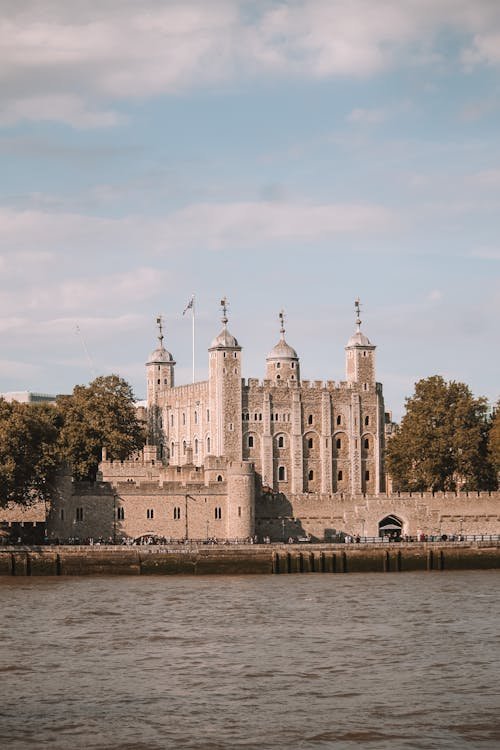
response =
{"points": [[159, 323], [224, 305], [282, 324], [357, 307]]}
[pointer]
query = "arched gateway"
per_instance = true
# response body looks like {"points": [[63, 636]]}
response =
{"points": [[390, 526]]}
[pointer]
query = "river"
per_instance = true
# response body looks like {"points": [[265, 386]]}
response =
{"points": [[253, 662]]}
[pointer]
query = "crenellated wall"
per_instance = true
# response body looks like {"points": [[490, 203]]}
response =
{"points": [[323, 516]]}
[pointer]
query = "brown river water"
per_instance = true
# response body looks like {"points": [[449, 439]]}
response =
{"points": [[257, 662]]}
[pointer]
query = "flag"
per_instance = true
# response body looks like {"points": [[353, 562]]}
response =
{"points": [[189, 305]]}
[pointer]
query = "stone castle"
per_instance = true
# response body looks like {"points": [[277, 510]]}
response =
{"points": [[229, 459]]}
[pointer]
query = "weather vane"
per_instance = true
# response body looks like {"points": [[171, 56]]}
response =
{"points": [[159, 323], [282, 322], [224, 304]]}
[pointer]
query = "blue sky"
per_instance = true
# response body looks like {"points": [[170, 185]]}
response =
{"points": [[286, 154]]}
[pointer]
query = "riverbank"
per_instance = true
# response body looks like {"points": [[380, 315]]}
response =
{"points": [[193, 559]]}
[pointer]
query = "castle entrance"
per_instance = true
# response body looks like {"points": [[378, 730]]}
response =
{"points": [[390, 526]]}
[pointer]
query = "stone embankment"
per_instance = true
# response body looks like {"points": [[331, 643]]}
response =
{"points": [[247, 559]]}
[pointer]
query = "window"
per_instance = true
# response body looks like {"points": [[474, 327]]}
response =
{"points": [[367, 421], [159, 381], [239, 511], [281, 441], [235, 355], [339, 476], [310, 419], [208, 415], [183, 418], [62, 514], [150, 513], [367, 444], [120, 513], [79, 514], [281, 474], [339, 419], [219, 477], [196, 417], [367, 476], [208, 445], [293, 365], [171, 420], [310, 443], [260, 417], [272, 417], [255, 417], [196, 446], [311, 475], [339, 443], [278, 365], [250, 441], [278, 377], [165, 381], [218, 514], [177, 513]]}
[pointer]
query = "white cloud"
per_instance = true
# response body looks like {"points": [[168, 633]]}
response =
{"points": [[210, 225], [66, 61]]}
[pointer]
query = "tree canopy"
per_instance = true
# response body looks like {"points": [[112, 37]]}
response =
{"points": [[29, 453], [100, 415], [442, 443], [494, 440]]}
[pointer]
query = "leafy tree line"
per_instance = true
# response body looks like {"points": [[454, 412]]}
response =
{"points": [[37, 439], [446, 440]]}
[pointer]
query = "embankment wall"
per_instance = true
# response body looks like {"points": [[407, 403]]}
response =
{"points": [[247, 559]]}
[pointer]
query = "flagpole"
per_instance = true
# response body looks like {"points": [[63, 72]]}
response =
{"points": [[192, 310]]}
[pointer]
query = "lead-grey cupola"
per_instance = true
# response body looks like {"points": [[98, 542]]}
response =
{"points": [[282, 362]]}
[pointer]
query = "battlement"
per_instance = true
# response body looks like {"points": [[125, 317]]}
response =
{"points": [[254, 384], [193, 390]]}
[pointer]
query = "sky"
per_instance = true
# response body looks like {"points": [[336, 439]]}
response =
{"points": [[289, 155]]}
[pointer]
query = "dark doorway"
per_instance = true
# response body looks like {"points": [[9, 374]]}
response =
{"points": [[390, 526]]}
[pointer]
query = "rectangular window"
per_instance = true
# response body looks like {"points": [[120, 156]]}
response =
{"points": [[79, 514], [120, 513], [150, 513], [239, 511], [62, 514]]}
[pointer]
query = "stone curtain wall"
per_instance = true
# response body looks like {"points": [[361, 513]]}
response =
{"points": [[322, 516]]}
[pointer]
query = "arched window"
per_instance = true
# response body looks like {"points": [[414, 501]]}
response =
{"points": [[281, 441], [311, 475], [171, 420], [184, 447], [310, 442], [255, 416], [172, 450], [310, 419], [367, 421], [339, 443], [366, 444], [250, 441], [278, 377], [196, 445], [339, 476], [281, 474], [208, 445], [183, 418], [219, 477], [196, 417], [339, 419]]}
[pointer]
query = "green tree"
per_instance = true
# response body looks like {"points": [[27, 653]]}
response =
{"points": [[28, 451], [494, 438], [442, 443], [99, 415]]}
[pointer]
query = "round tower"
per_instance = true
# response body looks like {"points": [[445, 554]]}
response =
{"points": [[360, 354], [282, 362], [159, 370], [225, 393], [240, 500]]}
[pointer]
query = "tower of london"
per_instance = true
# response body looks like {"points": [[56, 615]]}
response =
{"points": [[301, 436]]}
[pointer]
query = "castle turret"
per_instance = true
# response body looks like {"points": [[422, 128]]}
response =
{"points": [[360, 356], [224, 418], [160, 370], [282, 362]]}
